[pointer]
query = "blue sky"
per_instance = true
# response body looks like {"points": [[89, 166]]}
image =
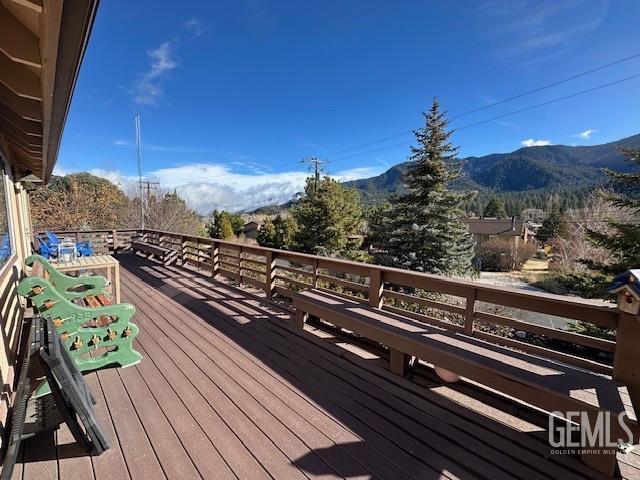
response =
{"points": [[234, 94]]}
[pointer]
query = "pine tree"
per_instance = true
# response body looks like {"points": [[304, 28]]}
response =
{"points": [[495, 208], [278, 233], [266, 235], [329, 219], [423, 229], [225, 229], [555, 225], [221, 225], [622, 240]]}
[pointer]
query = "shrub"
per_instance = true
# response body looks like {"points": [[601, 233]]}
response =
{"points": [[582, 284], [499, 255]]}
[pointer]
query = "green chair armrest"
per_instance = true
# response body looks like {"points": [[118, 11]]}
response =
{"points": [[53, 304], [68, 286]]}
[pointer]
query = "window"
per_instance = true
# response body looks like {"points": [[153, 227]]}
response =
{"points": [[5, 237]]}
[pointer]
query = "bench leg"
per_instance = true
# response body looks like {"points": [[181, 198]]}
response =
{"points": [[603, 460], [301, 317], [398, 362]]}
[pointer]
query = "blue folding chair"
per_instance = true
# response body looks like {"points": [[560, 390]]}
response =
{"points": [[44, 248], [5, 247], [84, 249]]}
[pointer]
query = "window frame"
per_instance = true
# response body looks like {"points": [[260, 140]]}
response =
{"points": [[6, 186]]}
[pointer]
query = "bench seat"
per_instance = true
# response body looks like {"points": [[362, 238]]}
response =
{"points": [[94, 301], [544, 383], [165, 255]]}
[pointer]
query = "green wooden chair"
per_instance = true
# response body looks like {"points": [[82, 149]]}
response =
{"points": [[90, 343], [70, 287]]}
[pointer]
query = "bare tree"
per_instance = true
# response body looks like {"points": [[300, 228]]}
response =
{"points": [[569, 252]]}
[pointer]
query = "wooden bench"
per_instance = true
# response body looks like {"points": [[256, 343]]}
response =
{"points": [[543, 383], [165, 255]]}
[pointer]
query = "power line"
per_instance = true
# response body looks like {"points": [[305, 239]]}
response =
{"points": [[481, 122], [497, 117], [550, 85], [499, 102]]}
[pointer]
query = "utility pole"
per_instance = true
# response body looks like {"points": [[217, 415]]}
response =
{"points": [[139, 157], [148, 185], [317, 165]]}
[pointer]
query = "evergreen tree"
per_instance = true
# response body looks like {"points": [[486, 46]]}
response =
{"points": [[423, 229], [621, 240], [495, 208], [221, 225], [555, 225], [329, 219], [225, 229], [266, 235], [237, 223], [278, 233]]}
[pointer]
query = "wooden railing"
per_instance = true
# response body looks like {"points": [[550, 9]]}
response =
{"points": [[102, 241], [483, 311], [500, 315]]}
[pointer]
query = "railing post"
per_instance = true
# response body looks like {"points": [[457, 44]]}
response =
{"points": [[214, 259], [182, 250], [315, 274], [626, 363], [114, 237], [469, 315], [270, 271], [376, 287]]}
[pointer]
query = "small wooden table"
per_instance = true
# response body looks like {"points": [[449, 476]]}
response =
{"points": [[94, 262]]}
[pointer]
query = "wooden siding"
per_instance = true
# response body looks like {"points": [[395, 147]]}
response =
{"points": [[11, 308]]}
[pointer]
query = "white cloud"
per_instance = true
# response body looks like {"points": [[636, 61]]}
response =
{"points": [[530, 142], [206, 186], [586, 134], [532, 31], [356, 173], [148, 90], [196, 27]]}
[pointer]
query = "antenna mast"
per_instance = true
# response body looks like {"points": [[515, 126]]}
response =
{"points": [[139, 156]]}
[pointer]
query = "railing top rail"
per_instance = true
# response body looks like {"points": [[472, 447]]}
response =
{"points": [[94, 230], [552, 304]]}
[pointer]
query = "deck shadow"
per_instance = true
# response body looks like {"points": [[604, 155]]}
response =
{"points": [[247, 323]]}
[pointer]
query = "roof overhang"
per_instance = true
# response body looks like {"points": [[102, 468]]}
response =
{"points": [[42, 43]]}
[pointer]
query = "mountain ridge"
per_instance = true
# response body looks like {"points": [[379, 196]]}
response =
{"points": [[523, 177], [525, 169]]}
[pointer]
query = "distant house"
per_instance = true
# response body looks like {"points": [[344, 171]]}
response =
{"points": [[251, 229], [510, 229]]}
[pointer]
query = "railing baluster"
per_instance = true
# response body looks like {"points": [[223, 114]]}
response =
{"points": [[376, 287], [315, 274], [270, 272], [215, 265], [114, 241], [469, 316]]}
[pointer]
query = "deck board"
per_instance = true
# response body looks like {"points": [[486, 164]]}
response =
{"points": [[228, 389], [354, 376], [380, 419]]}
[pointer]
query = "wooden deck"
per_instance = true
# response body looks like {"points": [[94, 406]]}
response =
{"points": [[227, 389]]}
